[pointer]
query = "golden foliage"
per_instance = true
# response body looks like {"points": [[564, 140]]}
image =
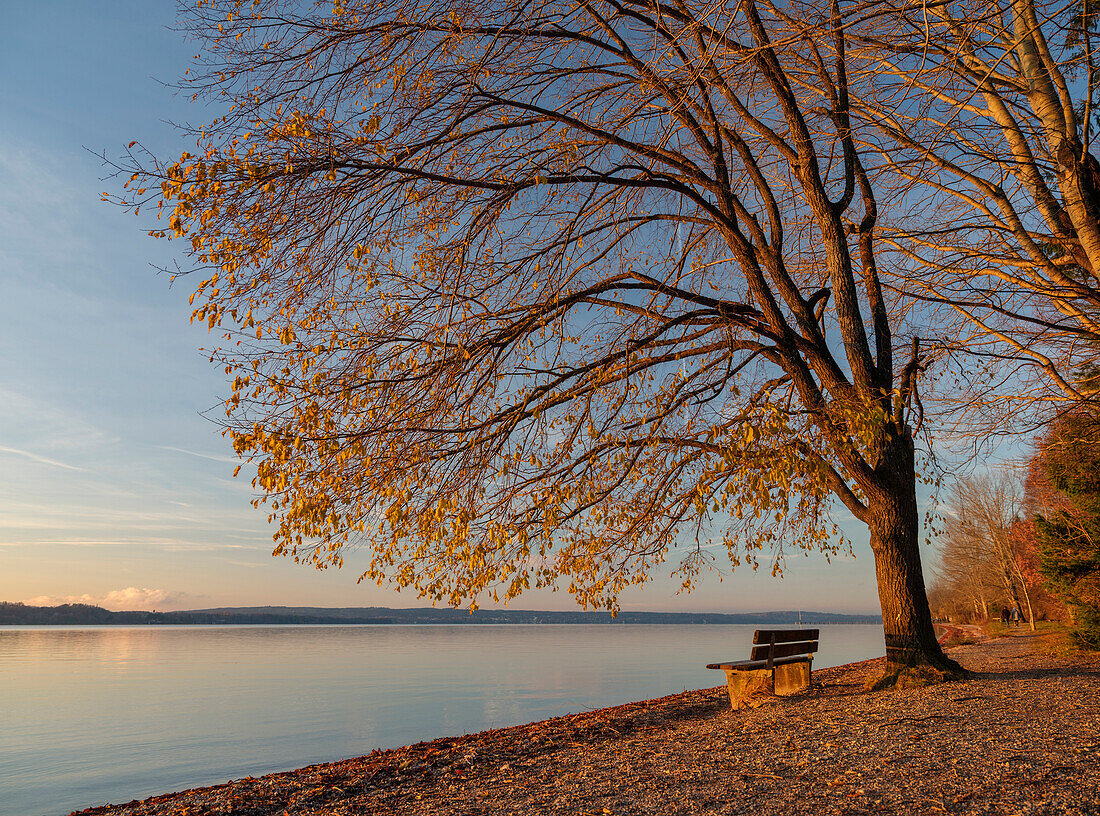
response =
{"points": [[516, 293]]}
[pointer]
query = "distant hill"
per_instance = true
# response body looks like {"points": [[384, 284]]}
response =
{"points": [[88, 615], [84, 614]]}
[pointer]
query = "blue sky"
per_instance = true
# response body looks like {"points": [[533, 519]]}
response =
{"points": [[113, 486]]}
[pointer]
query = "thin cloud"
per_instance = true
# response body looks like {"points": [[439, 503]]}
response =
{"points": [[129, 523], [250, 564], [211, 456], [34, 457], [200, 546], [50, 426], [70, 542]]}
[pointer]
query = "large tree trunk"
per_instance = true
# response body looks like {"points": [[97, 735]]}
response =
{"points": [[913, 654]]}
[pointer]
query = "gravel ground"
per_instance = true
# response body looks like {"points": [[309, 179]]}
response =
{"points": [[1022, 736]]}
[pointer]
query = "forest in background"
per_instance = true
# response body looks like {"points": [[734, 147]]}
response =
{"points": [[1029, 544]]}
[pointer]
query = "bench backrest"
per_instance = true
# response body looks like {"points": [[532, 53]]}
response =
{"points": [[768, 644]]}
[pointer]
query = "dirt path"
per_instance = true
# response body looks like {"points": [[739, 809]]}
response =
{"points": [[1021, 737], [953, 634]]}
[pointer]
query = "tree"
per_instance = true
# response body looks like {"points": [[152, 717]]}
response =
{"points": [[1068, 524], [521, 292], [961, 584], [1024, 544], [978, 559], [987, 111]]}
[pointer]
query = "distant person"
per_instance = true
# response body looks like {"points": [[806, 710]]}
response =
{"points": [[1004, 615], [1015, 616]]}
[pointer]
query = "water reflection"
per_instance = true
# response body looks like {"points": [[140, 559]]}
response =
{"points": [[108, 714]]}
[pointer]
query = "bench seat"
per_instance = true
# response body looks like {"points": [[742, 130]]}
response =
{"points": [[750, 665]]}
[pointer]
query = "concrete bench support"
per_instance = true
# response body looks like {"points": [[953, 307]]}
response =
{"points": [[745, 687], [749, 687], [791, 678]]}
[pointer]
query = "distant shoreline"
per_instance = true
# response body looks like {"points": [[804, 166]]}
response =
{"points": [[17, 614]]}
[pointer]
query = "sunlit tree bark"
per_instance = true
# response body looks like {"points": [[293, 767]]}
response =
{"points": [[528, 293], [987, 108]]}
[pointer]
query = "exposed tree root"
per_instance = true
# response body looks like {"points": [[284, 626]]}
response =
{"points": [[900, 675]]}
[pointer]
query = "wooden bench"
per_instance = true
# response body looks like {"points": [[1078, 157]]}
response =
{"points": [[780, 655]]}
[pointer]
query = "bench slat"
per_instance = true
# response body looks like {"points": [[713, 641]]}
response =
{"points": [[784, 635], [749, 665], [783, 650]]}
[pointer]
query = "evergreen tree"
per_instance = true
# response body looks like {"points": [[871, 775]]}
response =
{"points": [[1069, 536]]}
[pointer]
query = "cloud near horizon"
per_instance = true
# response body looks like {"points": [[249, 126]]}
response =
{"points": [[119, 600]]}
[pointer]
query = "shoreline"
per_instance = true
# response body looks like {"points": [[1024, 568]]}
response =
{"points": [[973, 746], [20, 614]]}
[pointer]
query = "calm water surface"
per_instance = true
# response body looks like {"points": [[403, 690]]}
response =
{"points": [[107, 714]]}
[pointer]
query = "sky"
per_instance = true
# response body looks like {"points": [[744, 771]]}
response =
{"points": [[115, 486]]}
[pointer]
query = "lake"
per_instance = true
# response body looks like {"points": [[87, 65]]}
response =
{"points": [[90, 715]]}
